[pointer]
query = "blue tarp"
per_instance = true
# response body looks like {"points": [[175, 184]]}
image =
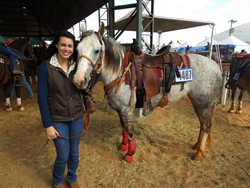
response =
{"points": [[183, 49]]}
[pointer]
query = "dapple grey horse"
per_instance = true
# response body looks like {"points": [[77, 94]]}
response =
{"points": [[202, 91]]}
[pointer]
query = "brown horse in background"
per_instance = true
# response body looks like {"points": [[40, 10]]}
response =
{"points": [[24, 47], [237, 80]]}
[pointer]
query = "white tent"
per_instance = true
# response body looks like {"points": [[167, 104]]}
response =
{"points": [[204, 42], [232, 40], [174, 46]]}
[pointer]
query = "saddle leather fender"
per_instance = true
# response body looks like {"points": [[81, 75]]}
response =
{"points": [[151, 83]]}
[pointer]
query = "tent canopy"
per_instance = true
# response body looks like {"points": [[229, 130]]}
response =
{"points": [[161, 23], [43, 17], [233, 41]]}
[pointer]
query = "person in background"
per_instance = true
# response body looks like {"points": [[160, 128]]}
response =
{"points": [[208, 46], [12, 56], [188, 48], [8, 41], [61, 106], [41, 53]]}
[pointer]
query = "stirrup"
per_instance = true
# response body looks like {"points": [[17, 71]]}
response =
{"points": [[151, 110], [228, 86]]}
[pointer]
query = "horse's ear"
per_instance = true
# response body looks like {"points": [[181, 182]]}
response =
{"points": [[101, 29], [83, 29]]}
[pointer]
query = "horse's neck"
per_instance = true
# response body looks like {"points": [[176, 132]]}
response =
{"points": [[108, 76], [18, 47]]}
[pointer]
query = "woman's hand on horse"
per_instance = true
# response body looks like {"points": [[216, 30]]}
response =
{"points": [[51, 133], [98, 70]]}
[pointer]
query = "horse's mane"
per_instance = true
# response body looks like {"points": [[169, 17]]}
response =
{"points": [[113, 51]]}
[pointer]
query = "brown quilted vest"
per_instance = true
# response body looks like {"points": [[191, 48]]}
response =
{"points": [[64, 99]]}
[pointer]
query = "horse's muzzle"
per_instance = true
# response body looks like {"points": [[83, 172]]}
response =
{"points": [[81, 84]]}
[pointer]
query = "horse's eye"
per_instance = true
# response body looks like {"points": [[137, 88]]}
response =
{"points": [[97, 51]]}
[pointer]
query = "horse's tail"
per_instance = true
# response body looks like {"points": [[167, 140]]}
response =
{"points": [[209, 139]]}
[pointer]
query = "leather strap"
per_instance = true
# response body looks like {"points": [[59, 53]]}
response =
{"points": [[184, 60], [112, 84]]}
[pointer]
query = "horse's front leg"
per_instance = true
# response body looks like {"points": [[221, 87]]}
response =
{"points": [[128, 143], [35, 75], [232, 108], [30, 75], [239, 109]]}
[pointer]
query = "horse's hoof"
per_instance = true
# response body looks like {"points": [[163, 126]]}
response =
{"points": [[10, 109], [123, 147], [197, 156], [20, 108], [238, 111], [129, 158], [231, 110]]}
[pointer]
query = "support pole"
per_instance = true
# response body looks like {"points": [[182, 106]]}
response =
{"points": [[139, 21], [211, 42], [111, 18], [152, 25], [223, 89]]}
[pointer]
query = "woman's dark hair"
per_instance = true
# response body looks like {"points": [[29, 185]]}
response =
{"points": [[52, 47]]}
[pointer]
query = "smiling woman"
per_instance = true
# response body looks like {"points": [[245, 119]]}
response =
{"points": [[61, 106]]}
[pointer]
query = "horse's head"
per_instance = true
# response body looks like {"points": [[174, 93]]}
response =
{"points": [[28, 47], [23, 45], [90, 51]]}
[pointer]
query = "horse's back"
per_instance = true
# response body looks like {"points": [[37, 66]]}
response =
{"points": [[206, 83]]}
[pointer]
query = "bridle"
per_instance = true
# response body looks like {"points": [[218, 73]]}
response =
{"points": [[95, 66]]}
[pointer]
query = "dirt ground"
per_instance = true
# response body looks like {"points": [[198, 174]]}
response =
{"points": [[164, 148]]}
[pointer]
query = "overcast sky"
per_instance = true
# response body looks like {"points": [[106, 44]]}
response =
{"points": [[217, 11]]}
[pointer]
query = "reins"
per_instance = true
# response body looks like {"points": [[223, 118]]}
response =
{"points": [[86, 124]]}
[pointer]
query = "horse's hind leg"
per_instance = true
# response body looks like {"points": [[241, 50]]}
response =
{"points": [[127, 122], [205, 114], [18, 99], [239, 109], [232, 108], [8, 107]]}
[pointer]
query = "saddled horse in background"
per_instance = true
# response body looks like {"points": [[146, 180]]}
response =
{"points": [[239, 77], [202, 91], [24, 47]]}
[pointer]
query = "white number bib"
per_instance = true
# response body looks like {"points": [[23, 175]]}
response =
{"points": [[186, 75]]}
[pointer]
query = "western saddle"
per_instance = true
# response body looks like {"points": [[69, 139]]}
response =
{"points": [[145, 78], [17, 78]]}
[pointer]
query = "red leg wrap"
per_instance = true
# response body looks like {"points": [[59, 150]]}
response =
{"points": [[131, 151], [124, 143]]}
